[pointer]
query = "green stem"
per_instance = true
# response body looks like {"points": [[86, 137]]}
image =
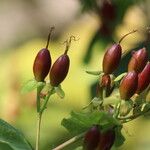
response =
{"points": [[72, 140], [40, 111], [38, 131], [132, 117], [38, 99], [117, 109], [46, 100]]}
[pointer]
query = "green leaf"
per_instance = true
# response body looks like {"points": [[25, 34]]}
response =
{"points": [[29, 86], [12, 137], [119, 137], [60, 92], [80, 122], [94, 72], [120, 77]]}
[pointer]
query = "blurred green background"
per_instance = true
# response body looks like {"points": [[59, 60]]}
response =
{"points": [[24, 26]]}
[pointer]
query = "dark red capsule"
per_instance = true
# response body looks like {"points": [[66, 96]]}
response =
{"points": [[112, 59], [42, 64], [128, 85], [107, 140], [91, 138], [138, 60], [144, 79], [59, 70]]}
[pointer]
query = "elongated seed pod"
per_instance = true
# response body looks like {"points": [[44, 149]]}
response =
{"points": [[91, 138], [144, 79], [107, 140], [138, 60], [42, 64], [59, 70], [112, 59], [128, 85]]}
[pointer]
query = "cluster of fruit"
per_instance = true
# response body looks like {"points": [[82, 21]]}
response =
{"points": [[58, 71], [129, 84], [138, 77]]}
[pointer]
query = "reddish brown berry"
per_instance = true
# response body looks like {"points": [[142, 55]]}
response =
{"points": [[144, 79], [138, 60], [59, 70], [107, 140], [91, 138], [112, 59], [42, 64], [112, 56], [128, 85]]}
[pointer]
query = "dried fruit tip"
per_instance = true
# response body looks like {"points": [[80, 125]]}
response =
{"points": [[126, 35]]}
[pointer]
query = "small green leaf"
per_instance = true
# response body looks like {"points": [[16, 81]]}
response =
{"points": [[29, 86], [60, 92], [94, 72], [12, 137], [80, 122], [120, 77], [119, 137]]}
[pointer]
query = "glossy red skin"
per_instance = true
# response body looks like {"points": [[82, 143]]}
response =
{"points": [[138, 60], [42, 64], [143, 79], [59, 70], [112, 59], [107, 140], [128, 85], [92, 138]]}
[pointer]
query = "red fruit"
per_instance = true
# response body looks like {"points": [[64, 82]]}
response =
{"points": [[107, 139], [128, 85], [144, 79], [59, 70], [112, 59], [138, 60], [42, 64], [91, 138]]}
